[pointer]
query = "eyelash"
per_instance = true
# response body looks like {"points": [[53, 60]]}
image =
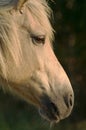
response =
{"points": [[40, 39]]}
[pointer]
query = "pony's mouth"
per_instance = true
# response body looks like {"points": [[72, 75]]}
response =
{"points": [[50, 113]]}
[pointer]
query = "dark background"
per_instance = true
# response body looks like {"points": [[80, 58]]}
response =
{"points": [[70, 48]]}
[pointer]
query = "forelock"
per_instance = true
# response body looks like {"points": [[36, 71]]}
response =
{"points": [[40, 10]]}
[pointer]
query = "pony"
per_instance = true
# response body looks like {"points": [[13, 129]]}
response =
{"points": [[29, 68]]}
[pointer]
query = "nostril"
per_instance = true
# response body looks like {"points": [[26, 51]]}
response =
{"points": [[68, 101]]}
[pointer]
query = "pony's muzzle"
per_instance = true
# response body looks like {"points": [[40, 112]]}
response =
{"points": [[54, 111]]}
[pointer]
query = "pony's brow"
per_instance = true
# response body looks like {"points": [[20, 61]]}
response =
{"points": [[34, 32], [41, 12]]}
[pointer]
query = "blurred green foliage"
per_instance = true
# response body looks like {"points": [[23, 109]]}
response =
{"points": [[70, 48]]}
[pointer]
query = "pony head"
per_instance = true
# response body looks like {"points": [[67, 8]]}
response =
{"points": [[28, 65]]}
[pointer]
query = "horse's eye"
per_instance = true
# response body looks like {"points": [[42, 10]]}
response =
{"points": [[40, 39]]}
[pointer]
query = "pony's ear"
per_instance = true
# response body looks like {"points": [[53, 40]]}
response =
{"points": [[11, 4], [20, 4]]}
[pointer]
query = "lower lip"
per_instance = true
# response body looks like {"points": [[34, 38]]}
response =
{"points": [[54, 119]]}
